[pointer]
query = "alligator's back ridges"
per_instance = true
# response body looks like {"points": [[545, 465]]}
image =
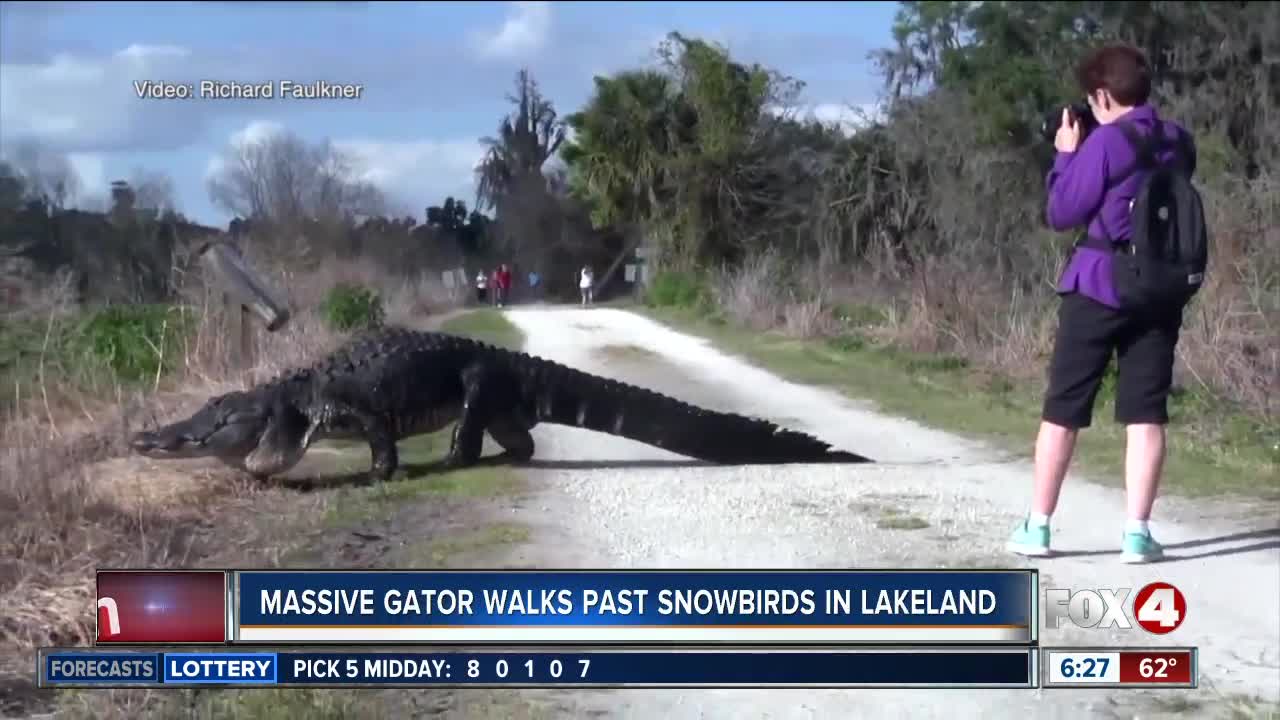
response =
{"points": [[561, 395]]}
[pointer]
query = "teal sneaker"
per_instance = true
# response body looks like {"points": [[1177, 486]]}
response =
{"points": [[1140, 548], [1028, 540]]}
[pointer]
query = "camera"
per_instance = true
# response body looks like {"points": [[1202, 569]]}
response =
{"points": [[1081, 113]]}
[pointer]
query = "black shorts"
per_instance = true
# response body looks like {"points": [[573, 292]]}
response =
{"points": [[1088, 333]]}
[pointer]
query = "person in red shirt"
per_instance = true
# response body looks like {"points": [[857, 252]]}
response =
{"points": [[504, 284]]}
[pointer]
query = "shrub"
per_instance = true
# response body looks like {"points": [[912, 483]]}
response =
{"points": [[348, 307], [677, 289], [135, 341]]}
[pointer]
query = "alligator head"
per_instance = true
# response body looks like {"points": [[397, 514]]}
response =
{"points": [[258, 431]]}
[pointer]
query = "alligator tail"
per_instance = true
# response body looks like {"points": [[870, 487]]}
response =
{"points": [[563, 396]]}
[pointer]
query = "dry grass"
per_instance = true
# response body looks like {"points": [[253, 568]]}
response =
{"points": [[72, 501]]}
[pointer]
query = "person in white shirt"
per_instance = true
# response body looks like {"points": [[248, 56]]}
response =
{"points": [[586, 283], [482, 287]]}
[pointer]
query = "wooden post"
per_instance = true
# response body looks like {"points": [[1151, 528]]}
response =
{"points": [[246, 340], [243, 295]]}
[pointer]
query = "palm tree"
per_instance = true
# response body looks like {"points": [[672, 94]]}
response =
{"points": [[526, 139], [620, 155]]}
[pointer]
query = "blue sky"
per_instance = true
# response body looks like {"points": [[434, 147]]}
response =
{"points": [[435, 76]]}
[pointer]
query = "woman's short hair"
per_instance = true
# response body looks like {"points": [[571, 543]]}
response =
{"points": [[1121, 69]]}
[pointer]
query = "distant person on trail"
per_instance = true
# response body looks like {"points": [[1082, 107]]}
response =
{"points": [[504, 284], [482, 287], [1093, 184], [586, 283], [534, 279]]}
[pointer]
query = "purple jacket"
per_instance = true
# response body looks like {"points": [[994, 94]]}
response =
{"points": [[1081, 191]]}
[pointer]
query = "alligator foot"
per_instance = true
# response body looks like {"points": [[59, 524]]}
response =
{"points": [[514, 437]]}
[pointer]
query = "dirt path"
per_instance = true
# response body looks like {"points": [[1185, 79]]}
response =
{"points": [[933, 500]]}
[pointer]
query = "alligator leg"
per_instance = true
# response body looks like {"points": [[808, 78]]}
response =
{"points": [[382, 443], [386, 458], [513, 435], [468, 434]]}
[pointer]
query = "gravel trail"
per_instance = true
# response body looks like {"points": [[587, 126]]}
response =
{"points": [[932, 500]]}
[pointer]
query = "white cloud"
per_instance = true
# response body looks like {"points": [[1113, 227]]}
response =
{"points": [[81, 103], [847, 118], [148, 53], [525, 30], [255, 131], [86, 170], [418, 172], [91, 170]]}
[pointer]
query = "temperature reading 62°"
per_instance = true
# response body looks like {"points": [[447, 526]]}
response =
{"points": [[1151, 667], [1157, 667]]}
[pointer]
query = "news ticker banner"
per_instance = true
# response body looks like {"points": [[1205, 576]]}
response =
{"points": [[941, 667], [568, 607]]}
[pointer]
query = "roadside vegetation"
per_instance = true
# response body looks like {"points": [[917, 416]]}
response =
{"points": [[903, 255], [82, 377], [1216, 449]]}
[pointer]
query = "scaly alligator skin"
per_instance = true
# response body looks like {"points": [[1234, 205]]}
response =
{"points": [[396, 383]]}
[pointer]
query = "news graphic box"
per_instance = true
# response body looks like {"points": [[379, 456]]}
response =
{"points": [[584, 607], [162, 607], [1119, 667], [896, 667]]}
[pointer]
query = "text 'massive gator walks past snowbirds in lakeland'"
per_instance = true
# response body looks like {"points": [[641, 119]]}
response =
{"points": [[395, 383]]}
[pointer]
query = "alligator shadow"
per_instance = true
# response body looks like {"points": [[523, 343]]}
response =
{"points": [[611, 464], [408, 471], [362, 478]]}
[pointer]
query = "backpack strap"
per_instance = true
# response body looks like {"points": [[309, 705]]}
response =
{"points": [[1144, 149]]}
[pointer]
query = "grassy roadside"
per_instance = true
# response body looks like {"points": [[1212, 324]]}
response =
{"points": [[422, 519], [1213, 452], [486, 325]]}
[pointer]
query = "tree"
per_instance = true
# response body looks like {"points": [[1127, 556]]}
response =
{"points": [[526, 139], [617, 160], [451, 216], [684, 149], [153, 191], [46, 175], [451, 219], [509, 179], [13, 189], [283, 179]]}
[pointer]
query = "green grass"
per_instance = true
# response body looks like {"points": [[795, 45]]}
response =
{"points": [[91, 349], [488, 326], [894, 519], [629, 352], [353, 505], [458, 549], [1243, 707], [1213, 451]]}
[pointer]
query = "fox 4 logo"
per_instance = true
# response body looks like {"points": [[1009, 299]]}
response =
{"points": [[1159, 608]]}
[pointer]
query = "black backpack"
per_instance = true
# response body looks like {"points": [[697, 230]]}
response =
{"points": [[1163, 265]]}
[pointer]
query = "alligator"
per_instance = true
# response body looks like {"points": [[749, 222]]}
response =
{"points": [[386, 385]]}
